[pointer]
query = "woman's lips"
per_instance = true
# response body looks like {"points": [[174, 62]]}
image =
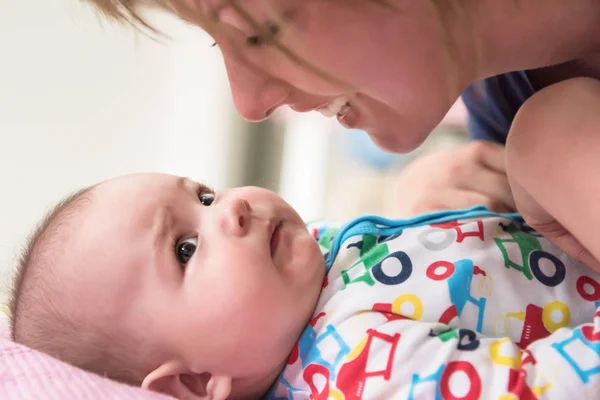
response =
{"points": [[303, 108], [350, 118]]}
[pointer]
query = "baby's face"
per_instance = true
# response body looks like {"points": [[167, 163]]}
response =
{"points": [[225, 282]]}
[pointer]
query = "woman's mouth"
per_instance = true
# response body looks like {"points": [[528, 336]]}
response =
{"points": [[350, 118], [342, 109], [339, 106]]}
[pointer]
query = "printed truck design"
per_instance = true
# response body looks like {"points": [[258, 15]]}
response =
{"points": [[441, 379], [537, 322], [353, 374], [459, 276], [530, 257], [518, 366], [579, 359], [374, 252], [393, 311], [451, 232]]}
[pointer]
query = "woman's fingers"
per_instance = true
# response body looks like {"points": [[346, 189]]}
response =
{"points": [[454, 179], [489, 154], [478, 178]]}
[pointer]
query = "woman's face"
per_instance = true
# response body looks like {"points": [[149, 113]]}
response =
{"points": [[392, 71]]}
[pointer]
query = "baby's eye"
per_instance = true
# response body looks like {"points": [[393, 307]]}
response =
{"points": [[185, 249], [206, 196], [206, 199]]}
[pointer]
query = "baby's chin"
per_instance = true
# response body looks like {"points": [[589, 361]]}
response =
{"points": [[256, 380], [256, 388]]}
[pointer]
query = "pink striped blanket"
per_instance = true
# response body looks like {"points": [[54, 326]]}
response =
{"points": [[28, 374]]}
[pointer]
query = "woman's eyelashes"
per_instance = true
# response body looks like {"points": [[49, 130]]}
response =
{"points": [[184, 250]]}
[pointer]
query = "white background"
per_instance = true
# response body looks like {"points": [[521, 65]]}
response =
{"points": [[82, 100]]}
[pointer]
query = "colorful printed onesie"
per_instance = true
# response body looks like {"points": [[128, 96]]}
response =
{"points": [[452, 305]]}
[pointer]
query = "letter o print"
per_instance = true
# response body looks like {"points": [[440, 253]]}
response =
{"points": [[405, 271], [474, 392], [433, 275], [581, 282], [449, 238], [412, 299], [547, 315], [534, 264]]}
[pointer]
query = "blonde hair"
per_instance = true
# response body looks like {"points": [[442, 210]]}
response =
{"points": [[131, 12]]}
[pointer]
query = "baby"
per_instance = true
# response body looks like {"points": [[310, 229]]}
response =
{"points": [[158, 281]]}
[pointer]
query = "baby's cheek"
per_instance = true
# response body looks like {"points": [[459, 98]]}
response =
{"points": [[309, 260]]}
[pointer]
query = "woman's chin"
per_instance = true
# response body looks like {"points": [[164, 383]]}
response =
{"points": [[395, 141]]}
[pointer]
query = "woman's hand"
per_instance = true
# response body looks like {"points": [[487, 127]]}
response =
{"points": [[466, 176]]}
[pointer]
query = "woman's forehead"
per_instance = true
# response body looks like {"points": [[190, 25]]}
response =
{"points": [[215, 7], [211, 6]]}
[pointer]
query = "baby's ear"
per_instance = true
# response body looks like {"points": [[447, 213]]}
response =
{"points": [[174, 379]]}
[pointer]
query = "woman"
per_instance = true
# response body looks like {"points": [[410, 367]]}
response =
{"points": [[394, 67]]}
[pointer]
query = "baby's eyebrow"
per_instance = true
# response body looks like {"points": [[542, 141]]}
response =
{"points": [[184, 182], [164, 219], [162, 224]]}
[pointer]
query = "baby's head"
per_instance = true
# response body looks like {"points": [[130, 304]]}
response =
{"points": [[157, 280]]}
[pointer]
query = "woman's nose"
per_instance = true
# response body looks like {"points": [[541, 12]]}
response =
{"points": [[236, 217], [255, 93]]}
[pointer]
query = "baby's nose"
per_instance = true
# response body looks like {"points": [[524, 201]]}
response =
{"points": [[236, 216]]}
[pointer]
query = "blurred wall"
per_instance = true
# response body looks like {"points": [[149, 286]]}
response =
{"points": [[82, 100]]}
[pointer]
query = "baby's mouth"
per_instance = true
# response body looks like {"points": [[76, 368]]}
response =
{"points": [[275, 237]]}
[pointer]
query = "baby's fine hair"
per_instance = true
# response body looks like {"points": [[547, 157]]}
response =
{"points": [[40, 308]]}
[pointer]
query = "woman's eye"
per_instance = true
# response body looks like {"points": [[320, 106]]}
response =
{"points": [[258, 40], [255, 41], [184, 251]]}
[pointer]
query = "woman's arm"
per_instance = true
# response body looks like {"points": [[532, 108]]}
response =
{"points": [[553, 165]]}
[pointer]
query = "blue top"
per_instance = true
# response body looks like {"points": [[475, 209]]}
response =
{"points": [[493, 103]]}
